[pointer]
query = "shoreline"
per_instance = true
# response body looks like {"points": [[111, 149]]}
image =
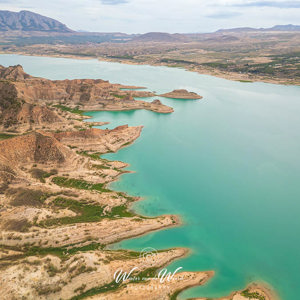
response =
{"points": [[166, 221], [204, 71], [269, 291], [264, 287], [80, 232]]}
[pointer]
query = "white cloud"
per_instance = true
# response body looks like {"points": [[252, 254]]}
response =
{"points": [[162, 15]]}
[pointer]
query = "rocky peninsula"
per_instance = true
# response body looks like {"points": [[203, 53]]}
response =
{"points": [[253, 291], [77, 94]]}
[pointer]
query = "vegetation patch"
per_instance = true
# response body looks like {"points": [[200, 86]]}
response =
{"points": [[100, 167], [79, 184], [252, 295], [121, 211], [51, 270], [146, 274], [47, 289], [95, 156], [41, 174], [4, 136], [70, 109], [118, 96], [122, 254], [120, 56], [177, 61], [85, 213], [175, 295], [62, 252]]}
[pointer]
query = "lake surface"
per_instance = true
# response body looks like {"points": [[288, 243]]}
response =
{"points": [[229, 164]]}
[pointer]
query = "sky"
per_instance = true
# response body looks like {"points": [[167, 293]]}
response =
{"points": [[182, 16]]}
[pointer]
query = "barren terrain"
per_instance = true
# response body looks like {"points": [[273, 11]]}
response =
{"points": [[251, 55]]}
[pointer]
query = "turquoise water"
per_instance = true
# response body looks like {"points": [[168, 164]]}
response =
{"points": [[228, 164]]}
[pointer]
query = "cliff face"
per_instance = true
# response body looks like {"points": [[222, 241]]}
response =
{"points": [[10, 104], [33, 148], [15, 111], [29, 21], [15, 153], [75, 92]]}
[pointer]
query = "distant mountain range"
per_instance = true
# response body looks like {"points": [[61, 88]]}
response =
{"points": [[29, 21], [288, 27]]}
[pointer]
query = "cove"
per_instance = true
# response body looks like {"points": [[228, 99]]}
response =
{"points": [[227, 164]]}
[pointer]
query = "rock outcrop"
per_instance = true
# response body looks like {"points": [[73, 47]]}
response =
{"points": [[19, 114], [13, 73]]}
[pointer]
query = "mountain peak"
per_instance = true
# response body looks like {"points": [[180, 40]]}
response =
{"points": [[29, 21], [288, 27]]}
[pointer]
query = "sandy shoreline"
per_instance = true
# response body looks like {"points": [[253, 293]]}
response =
{"points": [[203, 71]]}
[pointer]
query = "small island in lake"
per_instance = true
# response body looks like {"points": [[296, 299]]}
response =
{"points": [[182, 94]]}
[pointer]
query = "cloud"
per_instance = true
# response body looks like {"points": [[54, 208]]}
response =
{"points": [[140, 16], [114, 2], [224, 15], [277, 4]]}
